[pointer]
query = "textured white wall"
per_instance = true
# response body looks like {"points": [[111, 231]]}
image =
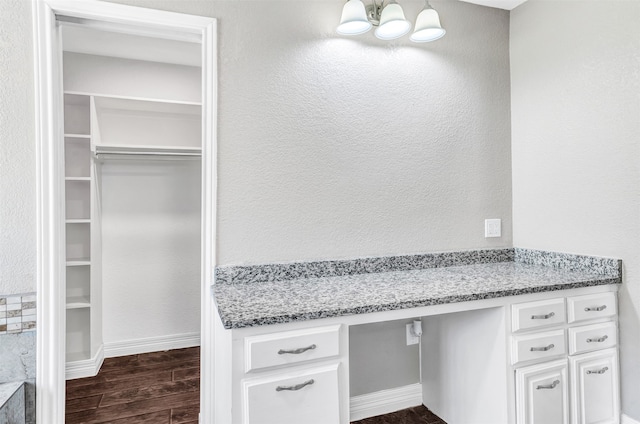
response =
{"points": [[17, 150], [333, 147], [576, 176]]}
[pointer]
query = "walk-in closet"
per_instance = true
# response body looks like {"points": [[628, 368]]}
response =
{"points": [[132, 158]]}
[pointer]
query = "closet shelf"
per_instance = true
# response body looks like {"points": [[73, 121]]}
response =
{"points": [[78, 262], [78, 302], [77, 178], [78, 221], [105, 151], [77, 136]]}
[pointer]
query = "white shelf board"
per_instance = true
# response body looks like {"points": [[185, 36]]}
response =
{"points": [[148, 150], [134, 98], [78, 221], [78, 262], [77, 178], [78, 302], [87, 136]]}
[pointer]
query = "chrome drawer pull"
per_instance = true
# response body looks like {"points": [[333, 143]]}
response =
{"points": [[598, 340], [296, 351], [595, 308], [547, 316], [542, 349], [600, 371], [296, 387], [549, 386]]}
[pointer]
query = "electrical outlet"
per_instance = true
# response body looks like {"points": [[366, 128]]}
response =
{"points": [[492, 228], [411, 339]]}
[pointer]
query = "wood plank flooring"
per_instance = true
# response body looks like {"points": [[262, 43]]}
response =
{"points": [[164, 388], [415, 415], [150, 388]]}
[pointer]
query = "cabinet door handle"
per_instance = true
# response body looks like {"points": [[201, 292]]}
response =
{"points": [[296, 387], [296, 351], [598, 340], [595, 308], [548, 386], [600, 371], [546, 316], [542, 349]]}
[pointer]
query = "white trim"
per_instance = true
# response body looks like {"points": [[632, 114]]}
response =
{"points": [[151, 344], [50, 356], [385, 401], [625, 419], [85, 368]]}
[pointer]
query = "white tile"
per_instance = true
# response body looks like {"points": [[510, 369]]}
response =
{"points": [[14, 299], [14, 306], [30, 298], [29, 318], [26, 312], [14, 320], [14, 327], [3, 321], [3, 314], [3, 307]]}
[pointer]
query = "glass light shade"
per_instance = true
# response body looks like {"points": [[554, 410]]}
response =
{"points": [[392, 23], [354, 19], [428, 27]]}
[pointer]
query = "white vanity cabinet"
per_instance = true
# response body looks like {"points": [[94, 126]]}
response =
{"points": [[293, 376], [566, 371]]}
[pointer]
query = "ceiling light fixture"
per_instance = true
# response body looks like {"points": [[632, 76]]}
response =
{"points": [[390, 21]]}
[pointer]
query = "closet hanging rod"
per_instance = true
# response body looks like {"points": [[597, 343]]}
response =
{"points": [[155, 151], [148, 156]]}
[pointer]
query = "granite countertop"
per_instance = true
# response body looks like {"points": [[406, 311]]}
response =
{"points": [[271, 301]]}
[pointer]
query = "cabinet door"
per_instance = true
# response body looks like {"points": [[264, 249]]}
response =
{"points": [[542, 393], [309, 396], [595, 395]]}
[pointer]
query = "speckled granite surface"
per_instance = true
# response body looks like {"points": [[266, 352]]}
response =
{"points": [[251, 302]]}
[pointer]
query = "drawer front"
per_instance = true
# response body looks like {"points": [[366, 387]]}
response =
{"points": [[291, 347], [308, 396], [542, 394], [595, 394], [548, 344], [588, 338], [591, 306], [539, 314]]}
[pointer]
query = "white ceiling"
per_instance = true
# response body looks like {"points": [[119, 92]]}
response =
{"points": [[500, 4], [83, 39]]}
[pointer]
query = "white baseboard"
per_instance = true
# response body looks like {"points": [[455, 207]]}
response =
{"points": [[385, 401], [624, 419], [85, 367], [151, 344]]}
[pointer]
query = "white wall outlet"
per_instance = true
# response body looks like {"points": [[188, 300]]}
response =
{"points": [[411, 339], [492, 228]]}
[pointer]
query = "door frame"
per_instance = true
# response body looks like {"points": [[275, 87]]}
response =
{"points": [[50, 285]]}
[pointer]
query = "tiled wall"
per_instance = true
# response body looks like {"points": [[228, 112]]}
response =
{"points": [[18, 346], [17, 313]]}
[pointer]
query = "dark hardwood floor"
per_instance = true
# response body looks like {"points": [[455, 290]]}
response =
{"points": [[415, 415], [164, 388], [150, 388]]}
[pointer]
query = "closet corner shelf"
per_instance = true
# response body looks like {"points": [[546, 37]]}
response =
{"points": [[87, 136], [78, 302], [78, 262], [77, 178]]}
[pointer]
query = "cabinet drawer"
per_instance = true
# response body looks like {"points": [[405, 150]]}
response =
{"points": [[539, 314], [588, 338], [291, 347], [544, 345], [542, 394], [591, 306], [595, 395], [306, 396]]}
